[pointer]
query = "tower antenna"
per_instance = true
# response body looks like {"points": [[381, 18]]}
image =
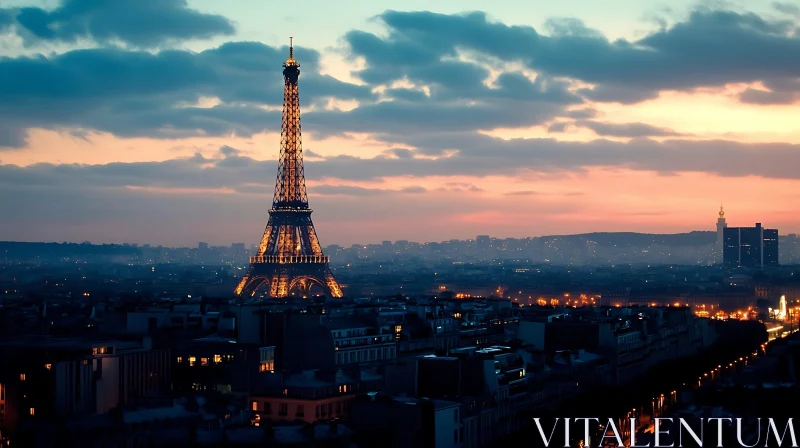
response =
{"points": [[291, 47]]}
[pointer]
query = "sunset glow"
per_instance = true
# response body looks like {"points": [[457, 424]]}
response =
{"points": [[533, 126]]}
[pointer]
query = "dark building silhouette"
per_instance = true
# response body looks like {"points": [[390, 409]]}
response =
{"points": [[750, 247]]}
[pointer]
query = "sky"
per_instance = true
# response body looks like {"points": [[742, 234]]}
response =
{"points": [[157, 121]]}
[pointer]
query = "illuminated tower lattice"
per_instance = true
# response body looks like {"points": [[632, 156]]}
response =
{"points": [[289, 258]]}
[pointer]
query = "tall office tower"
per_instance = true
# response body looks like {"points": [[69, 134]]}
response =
{"points": [[750, 247], [721, 226]]}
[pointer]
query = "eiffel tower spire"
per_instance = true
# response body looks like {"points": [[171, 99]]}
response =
{"points": [[289, 257]]}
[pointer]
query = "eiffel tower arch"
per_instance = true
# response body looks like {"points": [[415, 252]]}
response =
{"points": [[289, 257]]}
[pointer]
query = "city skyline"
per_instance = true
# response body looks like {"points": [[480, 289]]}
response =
{"points": [[421, 126]]}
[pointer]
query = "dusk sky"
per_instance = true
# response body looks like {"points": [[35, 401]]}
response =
{"points": [[157, 121]]}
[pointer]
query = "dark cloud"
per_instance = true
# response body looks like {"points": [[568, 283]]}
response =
{"points": [[479, 156], [580, 114], [633, 130], [780, 91], [557, 127], [709, 48], [401, 153], [11, 136], [131, 93], [406, 94], [145, 24], [787, 8]]}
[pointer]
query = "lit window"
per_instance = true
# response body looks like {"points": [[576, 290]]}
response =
{"points": [[32, 411], [180, 359], [48, 366], [22, 377], [192, 360], [255, 406], [217, 359], [204, 361], [285, 392]]}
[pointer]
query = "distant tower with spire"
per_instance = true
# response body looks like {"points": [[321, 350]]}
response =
{"points": [[721, 225]]}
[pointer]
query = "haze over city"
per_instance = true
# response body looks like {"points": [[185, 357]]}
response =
{"points": [[120, 122]]}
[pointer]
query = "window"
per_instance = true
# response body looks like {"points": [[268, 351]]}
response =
{"points": [[217, 359], [192, 360], [267, 407], [48, 366], [283, 409], [204, 361], [179, 360], [33, 412], [255, 406], [285, 392], [300, 411], [22, 377]]}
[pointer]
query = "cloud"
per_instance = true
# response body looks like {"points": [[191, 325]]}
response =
{"points": [[400, 153], [634, 130], [350, 190], [144, 24], [479, 156], [787, 8], [779, 91], [135, 93], [113, 90], [710, 48]]}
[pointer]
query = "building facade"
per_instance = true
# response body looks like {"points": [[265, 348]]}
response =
{"points": [[750, 247]]}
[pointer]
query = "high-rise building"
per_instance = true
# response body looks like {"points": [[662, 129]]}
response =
{"points": [[750, 247], [721, 226]]}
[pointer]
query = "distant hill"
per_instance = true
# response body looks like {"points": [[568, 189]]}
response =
{"points": [[631, 239]]}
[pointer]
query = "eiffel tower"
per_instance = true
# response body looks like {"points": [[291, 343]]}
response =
{"points": [[289, 257]]}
